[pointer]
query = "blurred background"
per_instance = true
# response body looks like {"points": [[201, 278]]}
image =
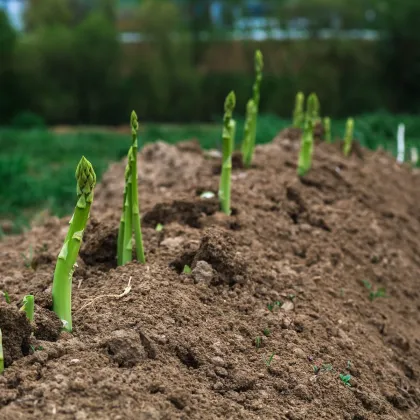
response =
{"points": [[71, 71]]}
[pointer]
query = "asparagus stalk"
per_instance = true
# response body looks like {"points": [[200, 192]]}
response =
{"points": [[228, 136], [348, 136], [312, 108], [259, 64], [135, 199], [250, 116], [127, 241], [327, 129], [298, 115], [1, 354], [62, 284], [120, 242], [28, 307], [306, 148]]}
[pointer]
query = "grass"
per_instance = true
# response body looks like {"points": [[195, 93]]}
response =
{"points": [[37, 166]]}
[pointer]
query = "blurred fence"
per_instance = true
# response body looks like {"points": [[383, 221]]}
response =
{"points": [[180, 58]]}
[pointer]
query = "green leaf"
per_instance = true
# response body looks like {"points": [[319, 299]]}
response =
{"points": [[159, 227], [187, 269]]}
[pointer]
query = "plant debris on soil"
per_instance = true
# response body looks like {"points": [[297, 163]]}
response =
{"points": [[273, 321]]}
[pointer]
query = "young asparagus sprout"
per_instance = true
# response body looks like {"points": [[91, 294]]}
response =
{"points": [[120, 241], [249, 141], [228, 139], [135, 198], [28, 307], [127, 236], [327, 129], [312, 108], [62, 284], [1, 354], [250, 117], [348, 136], [298, 115], [306, 148], [130, 218]]}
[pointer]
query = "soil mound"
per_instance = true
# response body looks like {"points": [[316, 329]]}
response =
{"points": [[303, 304]]}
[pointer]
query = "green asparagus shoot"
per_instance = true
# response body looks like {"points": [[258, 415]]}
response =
{"points": [[228, 139], [1, 354], [127, 241], [28, 307], [327, 129], [130, 217], [312, 108], [249, 120], [306, 149], [252, 112], [298, 115], [120, 241], [135, 198], [348, 136], [62, 284]]}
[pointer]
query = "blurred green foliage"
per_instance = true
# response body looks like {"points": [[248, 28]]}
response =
{"points": [[69, 66]]}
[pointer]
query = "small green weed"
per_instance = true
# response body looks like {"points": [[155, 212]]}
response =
{"points": [[266, 332], [345, 379], [187, 269], [277, 303], [6, 296], [27, 258], [159, 227], [258, 341], [374, 294], [270, 359]]}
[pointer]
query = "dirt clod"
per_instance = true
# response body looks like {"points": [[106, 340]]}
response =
{"points": [[217, 248], [16, 332], [47, 324], [125, 348]]}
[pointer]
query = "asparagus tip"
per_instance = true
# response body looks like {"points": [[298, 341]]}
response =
{"points": [[259, 63], [134, 121], [86, 177], [230, 102]]}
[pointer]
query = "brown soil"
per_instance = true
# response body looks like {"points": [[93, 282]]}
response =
{"points": [[275, 308]]}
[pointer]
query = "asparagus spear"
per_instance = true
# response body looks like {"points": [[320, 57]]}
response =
{"points": [[228, 136], [259, 64], [1, 354], [298, 116], [327, 129], [62, 284], [121, 230], [312, 108], [306, 149], [135, 199], [127, 241], [348, 136], [250, 116], [28, 307]]}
